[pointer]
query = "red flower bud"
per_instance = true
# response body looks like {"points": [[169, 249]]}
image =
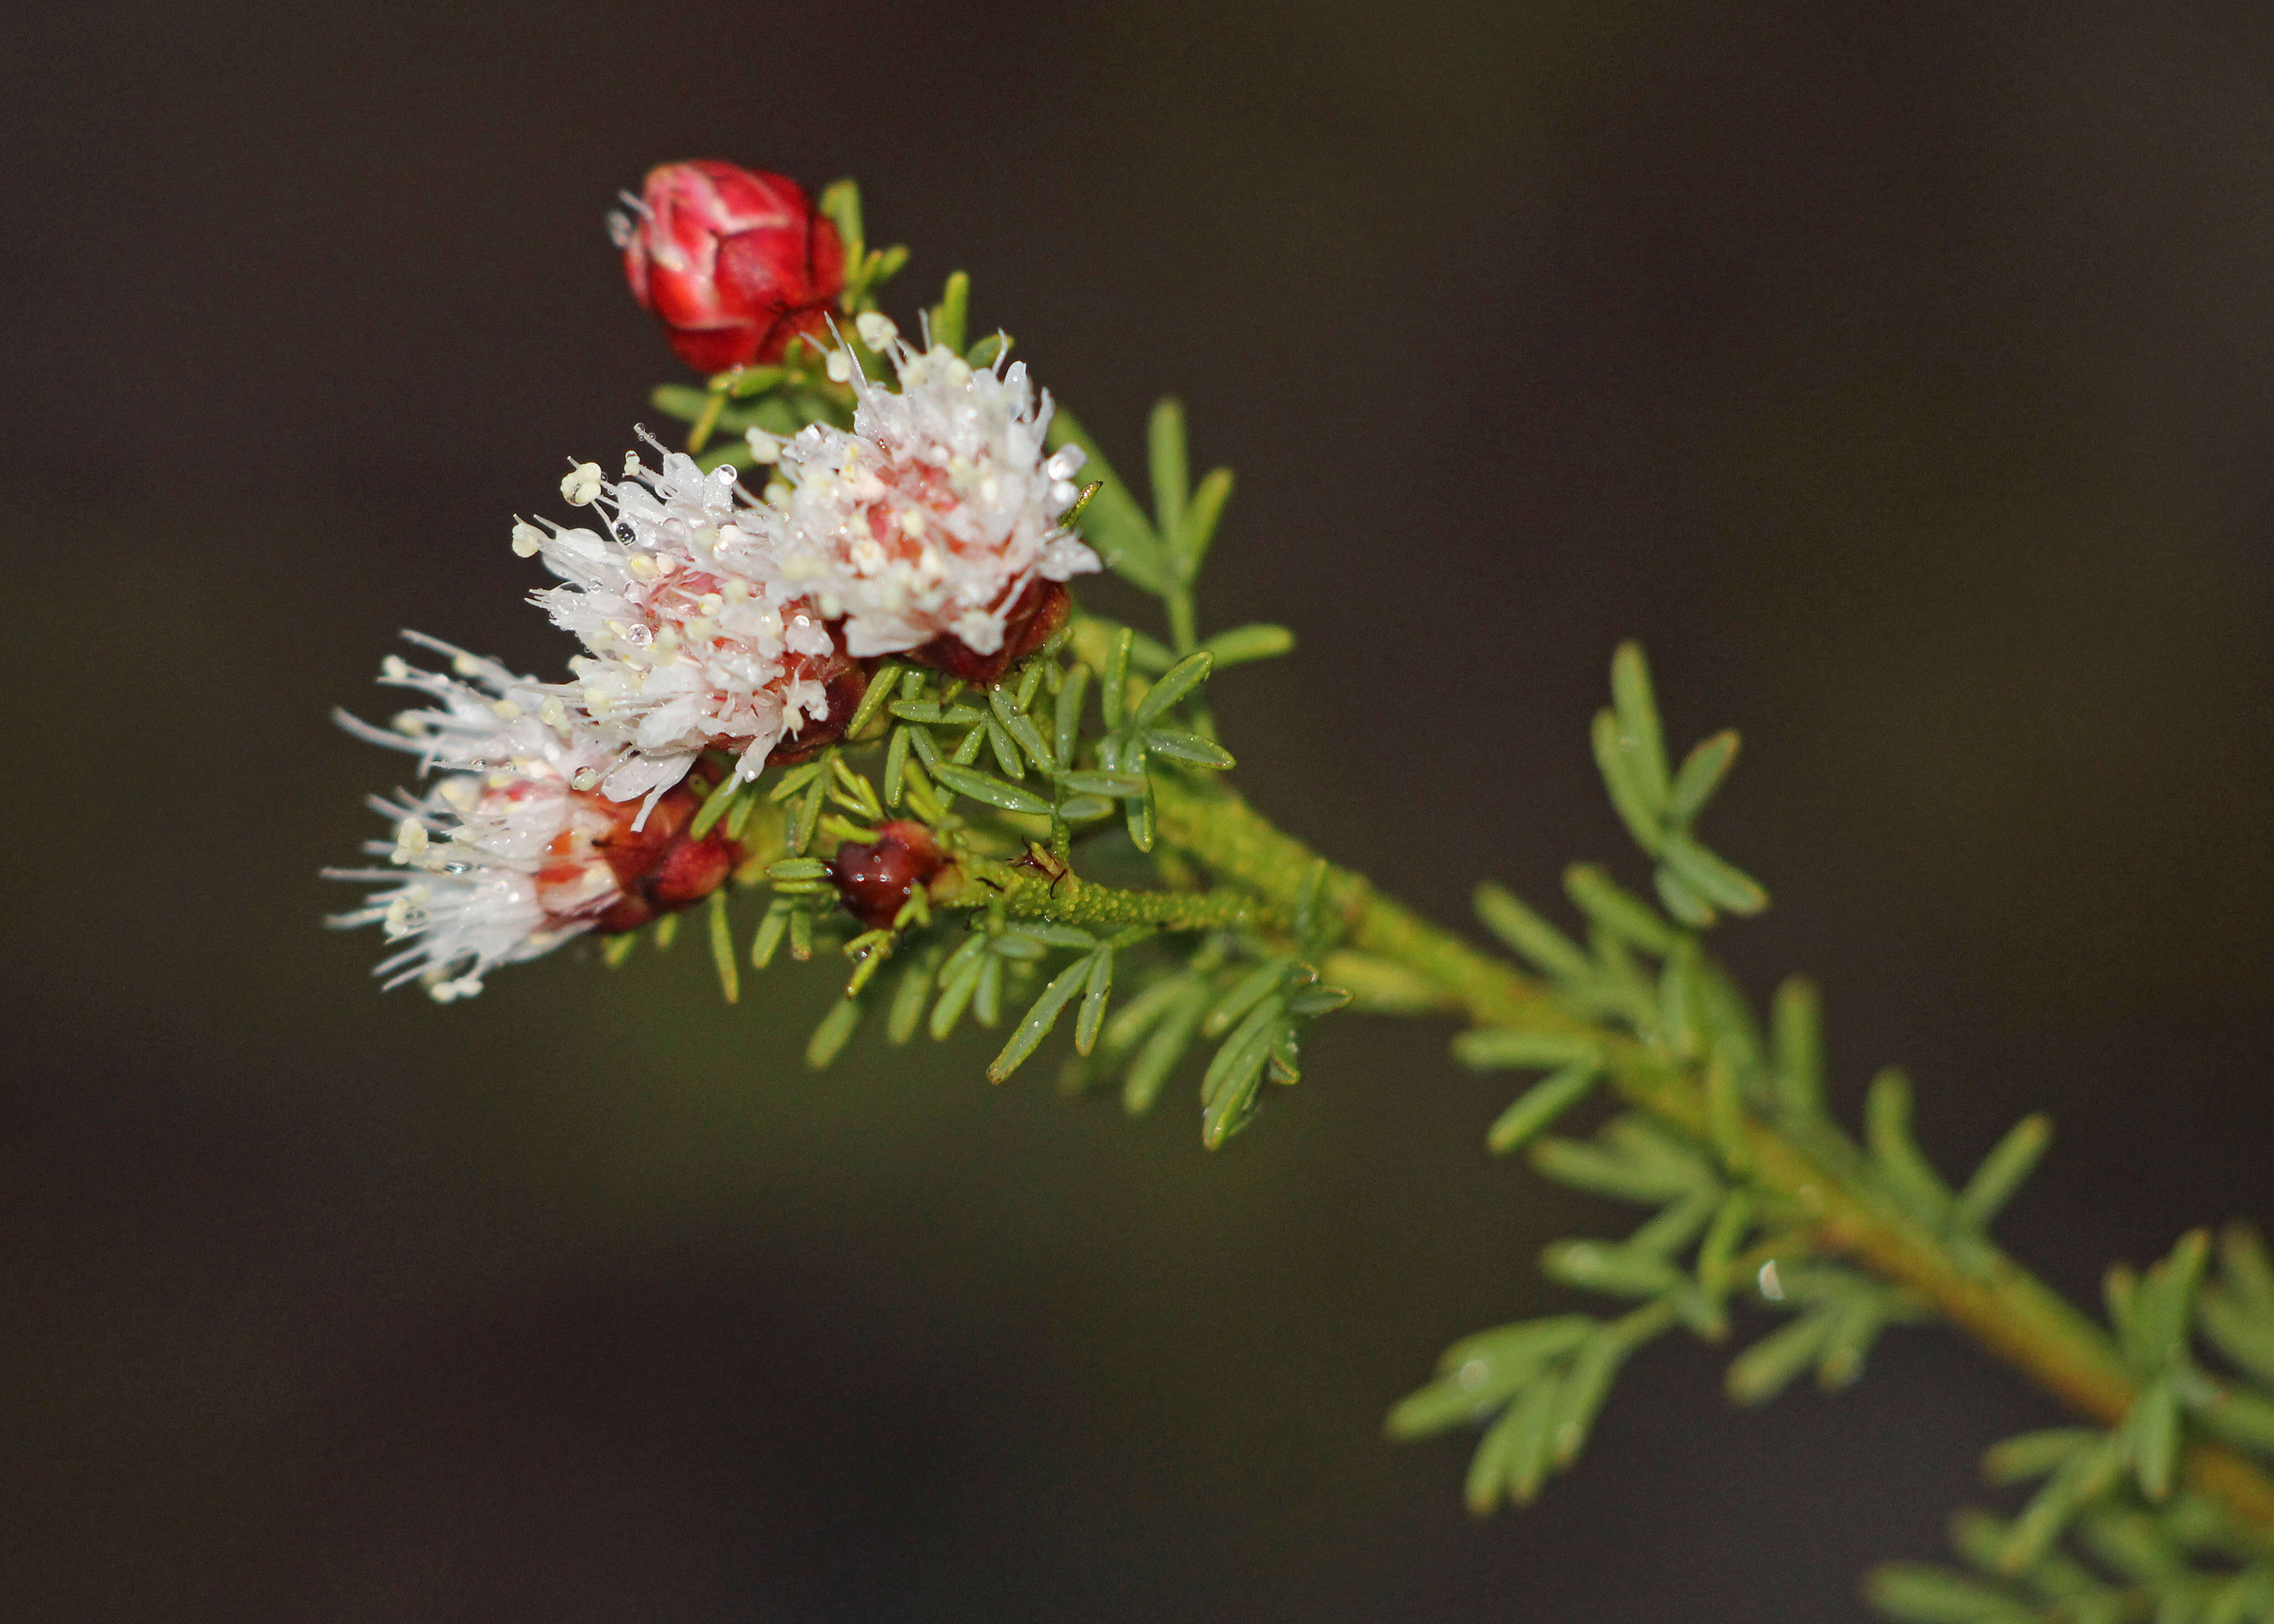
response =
{"points": [[1039, 610], [660, 869], [732, 261], [874, 880]]}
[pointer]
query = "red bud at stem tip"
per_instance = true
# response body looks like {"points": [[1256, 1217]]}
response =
{"points": [[734, 262]]}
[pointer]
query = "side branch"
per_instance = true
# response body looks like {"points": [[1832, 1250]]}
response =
{"points": [[1998, 1304]]}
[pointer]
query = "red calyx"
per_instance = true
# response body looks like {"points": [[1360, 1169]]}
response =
{"points": [[1034, 619], [660, 869], [874, 880], [734, 262]]}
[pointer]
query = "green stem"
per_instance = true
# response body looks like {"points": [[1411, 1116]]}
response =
{"points": [[1184, 631], [2003, 1306], [1070, 900]]}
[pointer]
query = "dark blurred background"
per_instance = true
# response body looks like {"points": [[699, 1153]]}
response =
{"points": [[1903, 375]]}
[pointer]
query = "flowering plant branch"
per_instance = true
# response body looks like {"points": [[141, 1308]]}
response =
{"points": [[863, 695]]}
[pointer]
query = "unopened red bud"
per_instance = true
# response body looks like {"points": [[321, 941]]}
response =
{"points": [[734, 262], [659, 867], [874, 880], [1036, 614]]}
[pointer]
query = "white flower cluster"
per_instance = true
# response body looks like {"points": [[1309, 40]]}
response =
{"points": [[497, 861], [711, 620]]}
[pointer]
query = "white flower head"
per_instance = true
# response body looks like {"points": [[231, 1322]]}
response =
{"points": [[694, 639], [937, 510], [496, 862]]}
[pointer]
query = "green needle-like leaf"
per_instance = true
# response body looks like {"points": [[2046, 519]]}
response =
{"points": [[2248, 1271], [896, 765], [2244, 1334], [1857, 1321], [950, 315], [1245, 643], [1767, 1367], [1598, 1266], [2154, 1429], [1530, 1421], [809, 810], [1095, 991], [1178, 745], [716, 805], [1113, 697], [2166, 1304], [2033, 1454], [1228, 1091], [1904, 1169], [722, 948], [1798, 1042], [2002, 1171], [987, 997], [1244, 996], [1702, 773], [1683, 900], [794, 780], [2241, 1419], [991, 791], [1066, 729], [1624, 779], [1498, 1047], [1618, 911], [1528, 935], [1580, 1396], [1717, 882], [1507, 1357], [1113, 786], [1166, 1046], [1175, 685], [1641, 740], [1006, 753], [1165, 442], [908, 998], [1603, 1172], [1538, 1108], [831, 1036], [959, 980], [1040, 1016], [1725, 1113], [2049, 1512], [1918, 1594], [1138, 813], [1021, 728], [1488, 1476], [841, 203], [769, 935], [881, 685], [1198, 528]]}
